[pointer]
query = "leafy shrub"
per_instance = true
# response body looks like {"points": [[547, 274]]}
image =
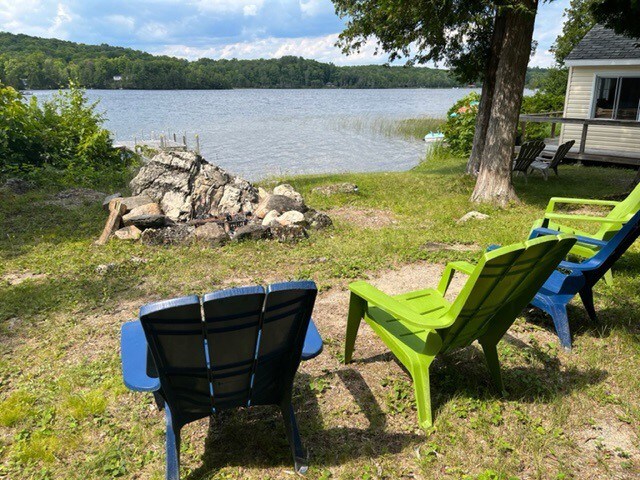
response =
{"points": [[461, 124], [461, 117], [541, 102], [58, 142]]}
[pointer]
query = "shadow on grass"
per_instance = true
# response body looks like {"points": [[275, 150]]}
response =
{"points": [[464, 373], [256, 437], [27, 220]]}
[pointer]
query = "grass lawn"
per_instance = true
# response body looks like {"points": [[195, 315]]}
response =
{"points": [[64, 412]]}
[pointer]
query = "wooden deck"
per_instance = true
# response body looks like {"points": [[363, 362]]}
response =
{"points": [[601, 156], [579, 152]]}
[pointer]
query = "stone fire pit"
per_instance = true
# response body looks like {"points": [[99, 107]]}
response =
{"points": [[179, 197]]}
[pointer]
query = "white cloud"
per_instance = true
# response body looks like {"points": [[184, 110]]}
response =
{"points": [[250, 10], [225, 7], [152, 31], [310, 8], [319, 48], [121, 21]]}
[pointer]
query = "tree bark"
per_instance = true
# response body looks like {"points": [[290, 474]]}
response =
{"points": [[486, 97], [494, 178]]}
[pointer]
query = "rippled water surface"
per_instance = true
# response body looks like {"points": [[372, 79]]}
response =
{"points": [[257, 133]]}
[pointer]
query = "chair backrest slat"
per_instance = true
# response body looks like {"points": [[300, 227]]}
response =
{"points": [[561, 152], [613, 250], [232, 324], [527, 154], [628, 206], [500, 283], [287, 313], [174, 333]]}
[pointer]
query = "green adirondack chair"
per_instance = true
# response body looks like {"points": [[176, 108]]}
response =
{"points": [[609, 224], [419, 325]]}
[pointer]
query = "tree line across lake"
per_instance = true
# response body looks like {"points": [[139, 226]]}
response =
{"points": [[28, 62]]}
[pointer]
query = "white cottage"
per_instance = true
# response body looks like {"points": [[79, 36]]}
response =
{"points": [[604, 84]]}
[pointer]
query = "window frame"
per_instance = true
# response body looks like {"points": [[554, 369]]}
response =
{"points": [[616, 101]]}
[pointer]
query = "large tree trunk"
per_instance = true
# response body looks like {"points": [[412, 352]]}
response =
{"points": [[494, 178], [486, 97]]}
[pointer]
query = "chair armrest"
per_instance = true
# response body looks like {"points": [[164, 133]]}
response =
{"points": [[450, 270], [134, 359], [393, 307], [578, 201], [312, 342], [574, 267], [585, 218], [539, 232]]}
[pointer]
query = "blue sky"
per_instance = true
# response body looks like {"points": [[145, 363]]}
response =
{"points": [[217, 28]]}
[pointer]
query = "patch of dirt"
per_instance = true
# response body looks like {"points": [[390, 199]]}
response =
{"points": [[17, 278], [332, 306], [364, 217], [610, 437], [76, 197]]}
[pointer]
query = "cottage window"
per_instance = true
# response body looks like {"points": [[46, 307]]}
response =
{"points": [[617, 98]]}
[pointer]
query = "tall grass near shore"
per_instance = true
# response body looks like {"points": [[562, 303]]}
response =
{"points": [[409, 128]]}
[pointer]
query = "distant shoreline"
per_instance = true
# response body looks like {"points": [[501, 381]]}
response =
{"points": [[28, 90]]}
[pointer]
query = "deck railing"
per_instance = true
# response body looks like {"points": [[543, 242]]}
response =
{"points": [[556, 117]]}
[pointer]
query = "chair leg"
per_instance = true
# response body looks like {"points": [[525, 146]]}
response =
{"points": [[586, 294], [491, 355], [293, 435], [555, 169], [608, 277], [172, 447], [561, 321], [545, 174], [356, 312], [422, 391]]}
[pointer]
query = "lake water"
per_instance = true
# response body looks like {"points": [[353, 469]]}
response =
{"points": [[258, 133]]}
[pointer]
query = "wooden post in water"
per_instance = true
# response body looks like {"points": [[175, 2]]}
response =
{"points": [[184, 140], [174, 138], [197, 144]]}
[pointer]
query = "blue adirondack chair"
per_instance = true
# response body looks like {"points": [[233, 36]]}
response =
{"points": [[235, 348], [580, 278]]}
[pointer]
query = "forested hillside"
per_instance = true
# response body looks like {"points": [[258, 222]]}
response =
{"points": [[39, 63]]}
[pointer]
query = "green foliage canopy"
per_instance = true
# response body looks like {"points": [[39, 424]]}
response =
{"points": [[38, 63]]}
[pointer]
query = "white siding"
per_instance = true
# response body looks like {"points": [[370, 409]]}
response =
{"points": [[578, 105]]}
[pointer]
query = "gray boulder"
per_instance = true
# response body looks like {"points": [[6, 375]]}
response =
{"points": [[288, 191], [136, 201], [211, 234], [252, 231], [147, 209], [317, 220], [288, 233], [144, 222], [280, 203], [173, 235], [292, 217], [128, 233], [188, 187]]}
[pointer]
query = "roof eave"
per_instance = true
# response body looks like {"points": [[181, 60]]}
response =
{"points": [[601, 62]]}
